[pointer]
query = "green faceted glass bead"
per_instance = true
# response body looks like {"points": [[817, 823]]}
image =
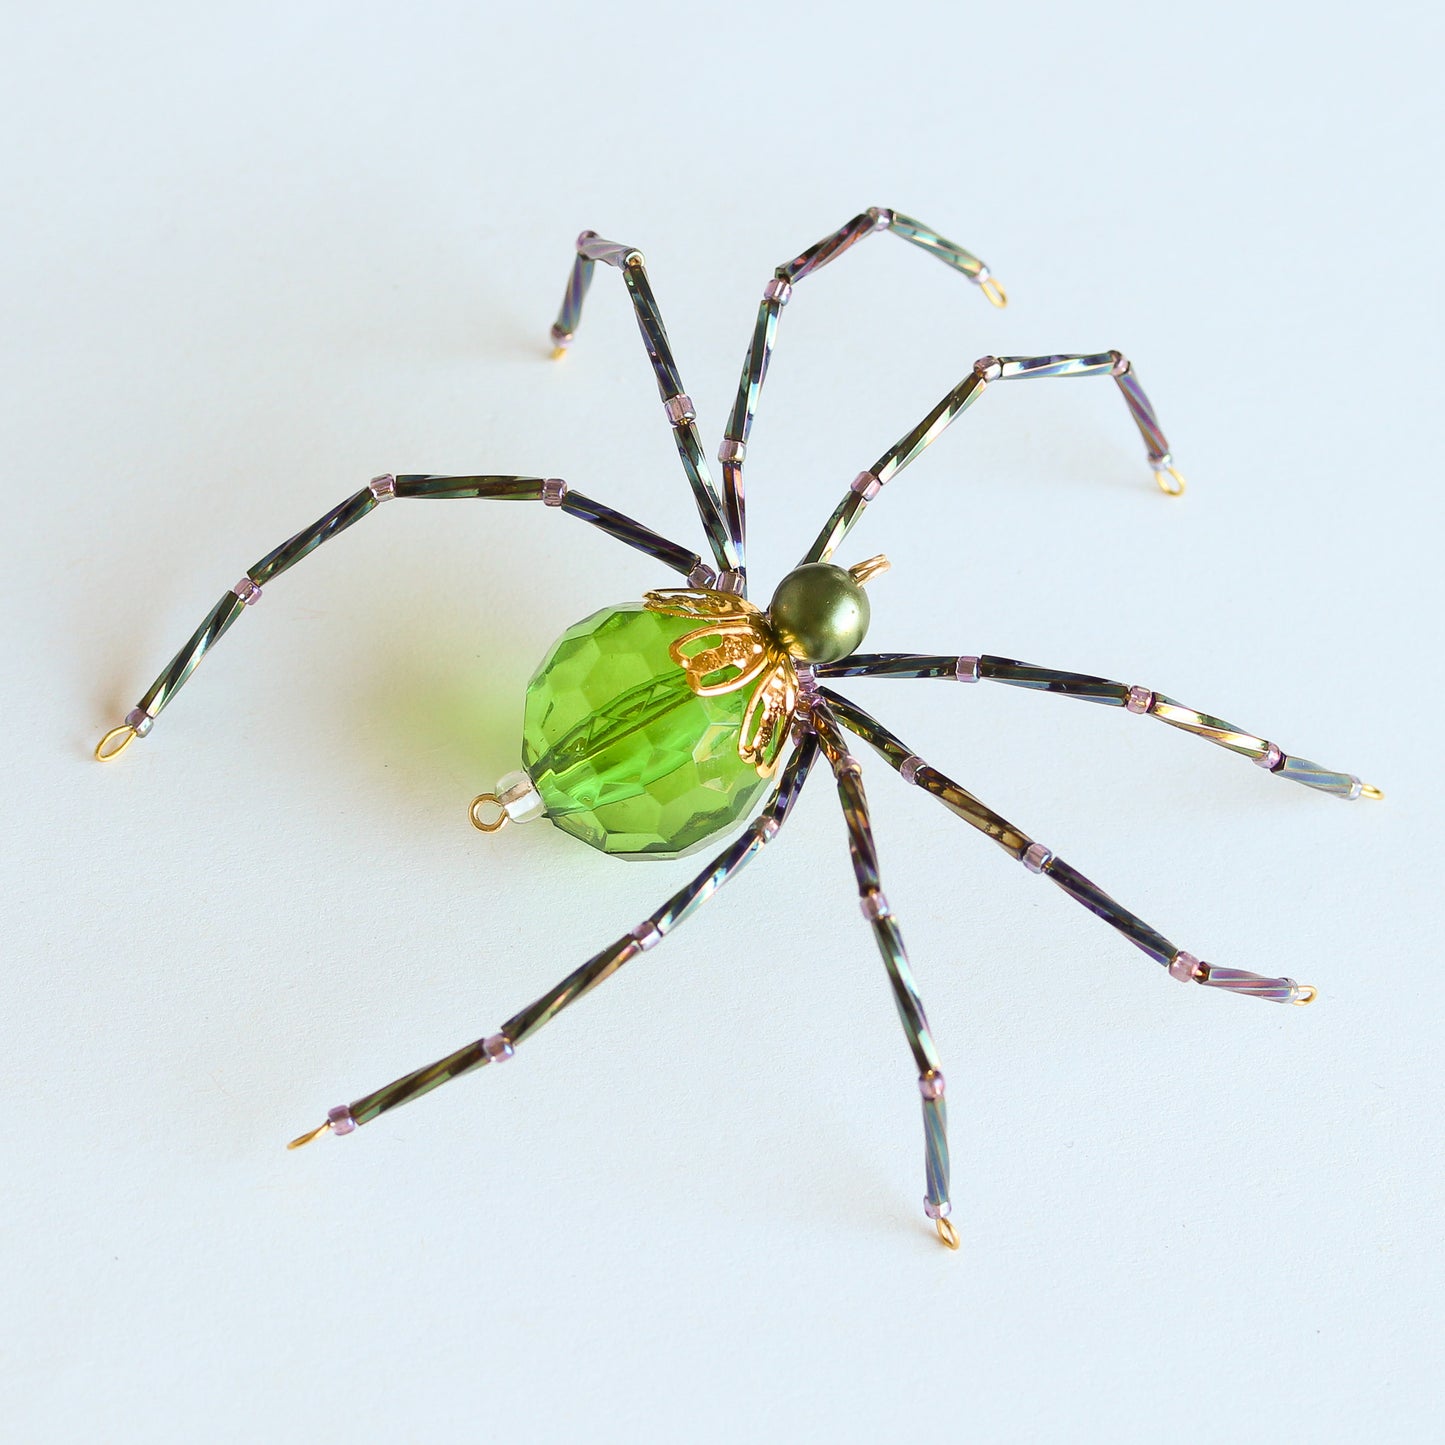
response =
{"points": [[625, 755]]}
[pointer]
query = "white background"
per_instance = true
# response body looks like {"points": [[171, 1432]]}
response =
{"points": [[254, 254]]}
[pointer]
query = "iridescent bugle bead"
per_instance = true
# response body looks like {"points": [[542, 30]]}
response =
{"points": [[290, 552], [634, 534], [183, 664], [1142, 410], [578, 282], [1016, 368], [949, 252], [898, 456], [829, 248], [935, 1151], [604, 964]]}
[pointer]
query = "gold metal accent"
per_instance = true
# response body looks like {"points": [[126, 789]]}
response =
{"points": [[1308, 993], [946, 1232], [558, 352], [316, 1133], [1174, 487], [1368, 790], [127, 735], [998, 297], [475, 814], [733, 649], [863, 572]]}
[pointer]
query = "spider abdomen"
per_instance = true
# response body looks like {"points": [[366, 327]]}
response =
{"points": [[626, 756]]}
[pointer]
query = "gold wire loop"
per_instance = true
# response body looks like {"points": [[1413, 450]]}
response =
{"points": [[946, 1232], [862, 572], [127, 735], [1308, 993], [1367, 790], [1171, 483], [998, 297], [558, 352], [315, 1133], [474, 812]]}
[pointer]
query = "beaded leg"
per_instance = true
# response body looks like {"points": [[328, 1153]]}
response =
{"points": [[987, 370], [552, 491], [1039, 859], [1267, 755], [775, 296], [497, 1048], [890, 944], [681, 413]]}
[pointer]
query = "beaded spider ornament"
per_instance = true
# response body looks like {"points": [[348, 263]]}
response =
{"points": [[652, 728]]}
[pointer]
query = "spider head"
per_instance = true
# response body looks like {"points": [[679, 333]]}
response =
{"points": [[820, 612]]}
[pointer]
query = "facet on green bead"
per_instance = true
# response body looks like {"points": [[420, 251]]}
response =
{"points": [[625, 755]]}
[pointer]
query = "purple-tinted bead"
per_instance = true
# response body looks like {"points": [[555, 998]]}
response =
{"points": [[1140, 699], [1184, 967], [1037, 857], [1271, 758], [247, 591], [498, 1048], [937, 1211], [340, 1119], [931, 1086]]}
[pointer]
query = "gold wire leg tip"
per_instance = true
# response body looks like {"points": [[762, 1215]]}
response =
{"points": [[1304, 993], [108, 748], [946, 1232], [1368, 791], [1171, 481], [558, 352], [316, 1133], [998, 297]]}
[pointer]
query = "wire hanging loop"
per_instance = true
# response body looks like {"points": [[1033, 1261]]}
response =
{"points": [[946, 1232], [1171, 481], [487, 812], [108, 748]]}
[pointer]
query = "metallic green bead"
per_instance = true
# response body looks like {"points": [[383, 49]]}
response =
{"points": [[819, 612]]}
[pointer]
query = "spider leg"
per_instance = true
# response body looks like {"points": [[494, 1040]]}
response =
{"points": [[1135, 699], [988, 369], [552, 491], [775, 297], [1038, 859], [681, 413], [498, 1047], [875, 907]]}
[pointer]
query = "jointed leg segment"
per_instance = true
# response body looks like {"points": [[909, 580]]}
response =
{"points": [[1267, 755], [552, 491], [681, 415], [776, 295], [987, 370], [890, 944], [1039, 859], [498, 1047]]}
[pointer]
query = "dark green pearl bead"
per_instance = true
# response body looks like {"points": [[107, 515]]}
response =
{"points": [[819, 612]]}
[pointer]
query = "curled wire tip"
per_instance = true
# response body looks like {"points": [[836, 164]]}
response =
{"points": [[1369, 791], [479, 809], [107, 748], [1304, 993], [1171, 481], [946, 1232], [997, 297], [315, 1133]]}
